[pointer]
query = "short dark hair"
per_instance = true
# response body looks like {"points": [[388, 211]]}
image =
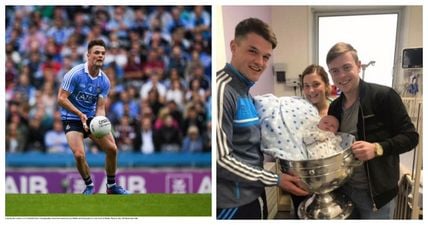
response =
{"points": [[257, 26], [339, 49], [95, 42]]}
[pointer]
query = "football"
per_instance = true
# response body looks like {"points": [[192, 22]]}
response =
{"points": [[100, 126]]}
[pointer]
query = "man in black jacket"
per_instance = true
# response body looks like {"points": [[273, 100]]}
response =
{"points": [[377, 117]]}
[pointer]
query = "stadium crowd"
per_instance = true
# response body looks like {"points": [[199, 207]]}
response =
{"points": [[158, 62]]}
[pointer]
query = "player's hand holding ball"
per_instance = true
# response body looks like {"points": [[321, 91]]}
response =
{"points": [[100, 126]]}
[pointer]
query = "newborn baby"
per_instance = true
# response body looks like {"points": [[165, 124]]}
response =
{"points": [[283, 120], [321, 140], [285, 123]]}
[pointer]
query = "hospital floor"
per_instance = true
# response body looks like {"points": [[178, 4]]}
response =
{"points": [[281, 215], [285, 208]]}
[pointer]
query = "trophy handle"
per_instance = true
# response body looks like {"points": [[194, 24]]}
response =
{"points": [[356, 163], [350, 160]]}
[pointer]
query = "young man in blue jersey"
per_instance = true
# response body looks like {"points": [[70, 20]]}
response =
{"points": [[82, 96], [241, 178]]}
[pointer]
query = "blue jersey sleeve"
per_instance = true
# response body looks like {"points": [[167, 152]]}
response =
{"points": [[69, 82]]}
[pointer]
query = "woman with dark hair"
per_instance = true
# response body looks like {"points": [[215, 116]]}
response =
{"points": [[316, 89]]}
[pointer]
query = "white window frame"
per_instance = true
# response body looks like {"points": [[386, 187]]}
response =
{"points": [[323, 11]]}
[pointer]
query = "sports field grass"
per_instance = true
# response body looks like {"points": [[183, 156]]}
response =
{"points": [[108, 205]]}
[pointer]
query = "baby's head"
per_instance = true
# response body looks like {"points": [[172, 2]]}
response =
{"points": [[329, 123]]}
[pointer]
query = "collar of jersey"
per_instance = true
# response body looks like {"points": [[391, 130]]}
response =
{"points": [[87, 72], [246, 81]]}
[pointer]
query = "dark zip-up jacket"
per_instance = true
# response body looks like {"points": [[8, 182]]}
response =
{"points": [[240, 175], [382, 118]]}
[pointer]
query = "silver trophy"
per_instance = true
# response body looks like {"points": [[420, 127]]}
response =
{"points": [[320, 177]]}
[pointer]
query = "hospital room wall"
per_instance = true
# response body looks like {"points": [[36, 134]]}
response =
{"points": [[229, 16], [291, 25], [410, 36]]}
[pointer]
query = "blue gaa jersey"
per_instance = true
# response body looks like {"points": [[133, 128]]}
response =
{"points": [[84, 91], [241, 177]]}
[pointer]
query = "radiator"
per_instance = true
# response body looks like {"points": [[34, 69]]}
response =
{"points": [[409, 199], [405, 201]]}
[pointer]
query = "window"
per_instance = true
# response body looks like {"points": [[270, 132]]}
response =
{"points": [[372, 35]]}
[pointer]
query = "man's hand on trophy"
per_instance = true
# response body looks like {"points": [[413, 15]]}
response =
{"points": [[290, 184]]}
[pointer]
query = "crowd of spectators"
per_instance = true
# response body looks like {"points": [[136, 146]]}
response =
{"points": [[158, 62]]}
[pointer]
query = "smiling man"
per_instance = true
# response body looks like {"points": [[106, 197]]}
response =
{"points": [[241, 179], [376, 116]]}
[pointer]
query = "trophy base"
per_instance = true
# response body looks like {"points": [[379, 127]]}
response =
{"points": [[325, 206]]}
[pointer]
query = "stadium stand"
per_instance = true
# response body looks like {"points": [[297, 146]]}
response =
{"points": [[161, 51]]}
